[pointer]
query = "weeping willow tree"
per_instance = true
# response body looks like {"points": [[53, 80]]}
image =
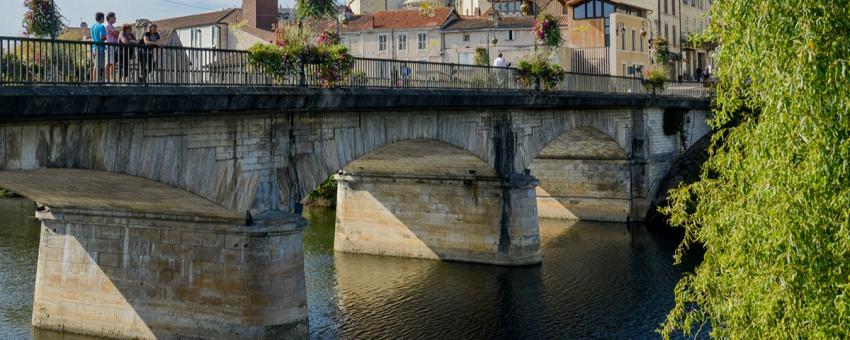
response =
{"points": [[772, 207]]}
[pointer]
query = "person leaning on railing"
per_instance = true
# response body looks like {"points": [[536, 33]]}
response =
{"points": [[147, 58], [127, 51], [98, 36]]}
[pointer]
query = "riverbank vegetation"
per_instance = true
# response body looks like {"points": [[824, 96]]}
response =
{"points": [[5, 193], [771, 205], [324, 196]]}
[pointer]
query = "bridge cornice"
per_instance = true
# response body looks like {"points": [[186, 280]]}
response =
{"points": [[32, 103]]}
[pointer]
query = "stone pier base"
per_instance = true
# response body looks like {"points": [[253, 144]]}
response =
{"points": [[143, 276], [481, 220]]}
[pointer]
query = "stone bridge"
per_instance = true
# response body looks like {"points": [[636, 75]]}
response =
{"points": [[175, 212]]}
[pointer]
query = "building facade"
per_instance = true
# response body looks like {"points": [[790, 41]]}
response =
{"points": [[510, 36], [413, 35], [606, 37]]}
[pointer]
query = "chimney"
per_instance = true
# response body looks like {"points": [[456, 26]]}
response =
{"points": [[260, 13]]}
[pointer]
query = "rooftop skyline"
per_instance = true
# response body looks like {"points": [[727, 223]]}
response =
{"points": [[76, 11]]}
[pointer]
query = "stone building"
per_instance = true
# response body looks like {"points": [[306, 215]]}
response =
{"points": [[606, 37], [510, 36], [233, 28], [400, 34]]}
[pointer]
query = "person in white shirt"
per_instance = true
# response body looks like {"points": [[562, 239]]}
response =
{"points": [[500, 76], [500, 62]]}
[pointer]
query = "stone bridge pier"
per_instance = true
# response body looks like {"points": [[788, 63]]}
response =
{"points": [[428, 199], [175, 212]]}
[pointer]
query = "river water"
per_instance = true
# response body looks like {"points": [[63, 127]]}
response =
{"points": [[597, 280]]}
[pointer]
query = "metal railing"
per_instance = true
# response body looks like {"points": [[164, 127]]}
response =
{"points": [[26, 61]]}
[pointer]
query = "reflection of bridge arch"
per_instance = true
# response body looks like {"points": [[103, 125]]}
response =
{"points": [[429, 199], [584, 174]]}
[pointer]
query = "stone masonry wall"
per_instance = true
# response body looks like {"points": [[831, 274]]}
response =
{"points": [[595, 190], [265, 161], [445, 219], [117, 275]]}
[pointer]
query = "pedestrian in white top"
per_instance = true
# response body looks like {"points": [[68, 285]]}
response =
{"points": [[500, 62]]}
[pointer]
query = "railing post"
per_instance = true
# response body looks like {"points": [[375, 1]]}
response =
{"points": [[302, 75]]}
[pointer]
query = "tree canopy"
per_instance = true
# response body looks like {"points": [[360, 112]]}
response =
{"points": [[42, 19], [772, 207]]}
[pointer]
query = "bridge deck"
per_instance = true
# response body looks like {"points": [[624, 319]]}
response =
{"points": [[88, 189]]}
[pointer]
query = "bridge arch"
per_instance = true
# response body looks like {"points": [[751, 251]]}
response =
{"points": [[584, 174], [616, 124]]}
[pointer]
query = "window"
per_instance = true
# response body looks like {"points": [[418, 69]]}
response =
{"points": [[665, 6], [593, 9], [510, 35], [641, 44], [675, 37], [382, 42], [623, 39], [673, 6], [578, 11], [464, 58], [666, 33], [195, 37], [633, 40], [402, 42], [466, 37], [422, 41], [216, 31]]}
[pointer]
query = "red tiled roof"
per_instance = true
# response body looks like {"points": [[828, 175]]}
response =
{"points": [[473, 23], [226, 16], [399, 19]]}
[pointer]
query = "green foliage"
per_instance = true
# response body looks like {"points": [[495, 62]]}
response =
{"points": [[324, 195], [315, 9], [481, 57], [42, 19], [546, 30], [5, 193], [771, 207], [655, 78], [537, 66], [673, 121], [265, 58], [27, 61], [294, 50], [662, 54]]}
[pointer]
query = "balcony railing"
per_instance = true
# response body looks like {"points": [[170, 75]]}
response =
{"points": [[25, 61]]}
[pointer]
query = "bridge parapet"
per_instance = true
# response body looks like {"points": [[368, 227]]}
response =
{"points": [[40, 61]]}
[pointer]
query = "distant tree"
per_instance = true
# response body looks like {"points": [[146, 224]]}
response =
{"points": [[315, 9], [42, 19], [772, 206]]}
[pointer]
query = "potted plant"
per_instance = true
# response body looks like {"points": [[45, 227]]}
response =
{"points": [[546, 31], [654, 79], [536, 70]]}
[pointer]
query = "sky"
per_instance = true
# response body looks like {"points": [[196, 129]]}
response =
{"points": [[75, 11]]}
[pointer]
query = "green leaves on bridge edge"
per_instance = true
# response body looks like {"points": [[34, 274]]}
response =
{"points": [[772, 208]]}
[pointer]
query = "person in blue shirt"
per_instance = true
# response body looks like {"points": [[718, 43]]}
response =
{"points": [[98, 36]]}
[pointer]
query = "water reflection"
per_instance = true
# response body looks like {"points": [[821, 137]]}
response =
{"points": [[18, 256], [597, 280]]}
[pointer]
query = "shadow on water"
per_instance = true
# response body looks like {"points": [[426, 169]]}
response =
{"points": [[597, 280]]}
